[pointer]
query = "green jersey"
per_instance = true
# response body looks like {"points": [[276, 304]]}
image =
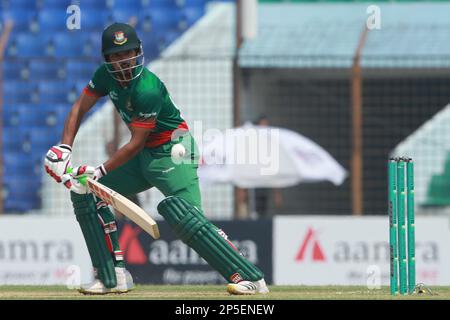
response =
{"points": [[144, 103]]}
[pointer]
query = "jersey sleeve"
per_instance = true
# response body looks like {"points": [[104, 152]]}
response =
{"points": [[97, 86], [147, 110]]}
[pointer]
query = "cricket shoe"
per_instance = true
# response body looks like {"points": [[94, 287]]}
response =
{"points": [[245, 287], [124, 284]]}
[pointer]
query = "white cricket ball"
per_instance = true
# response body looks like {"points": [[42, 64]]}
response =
{"points": [[178, 151]]}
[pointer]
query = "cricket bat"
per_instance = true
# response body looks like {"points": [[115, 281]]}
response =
{"points": [[123, 205]]}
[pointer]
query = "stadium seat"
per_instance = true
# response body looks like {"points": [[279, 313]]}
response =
{"points": [[14, 203], [81, 70], [52, 20], [20, 4], [171, 36], [43, 70], [56, 92], [55, 4], [19, 92], [43, 138], [160, 20], [94, 19], [151, 47], [10, 116], [94, 42], [28, 45], [191, 3], [55, 115], [23, 116], [30, 115], [123, 16], [161, 3], [127, 4], [13, 139], [97, 4], [22, 18], [192, 14], [22, 193], [70, 44], [15, 70], [16, 162], [19, 162]]}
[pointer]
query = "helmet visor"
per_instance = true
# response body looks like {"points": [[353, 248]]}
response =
{"points": [[126, 69]]}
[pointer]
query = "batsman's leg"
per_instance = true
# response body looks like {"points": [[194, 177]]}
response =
{"points": [[212, 244], [86, 215], [182, 210], [135, 183], [109, 225]]}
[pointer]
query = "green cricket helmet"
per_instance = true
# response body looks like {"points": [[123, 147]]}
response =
{"points": [[119, 37]]}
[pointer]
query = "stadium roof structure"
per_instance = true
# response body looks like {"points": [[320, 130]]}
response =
{"points": [[411, 35]]}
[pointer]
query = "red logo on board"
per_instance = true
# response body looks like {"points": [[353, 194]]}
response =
{"points": [[310, 241], [129, 243]]}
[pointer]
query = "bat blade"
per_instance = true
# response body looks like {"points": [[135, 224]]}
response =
{"points": [[124, 206]]}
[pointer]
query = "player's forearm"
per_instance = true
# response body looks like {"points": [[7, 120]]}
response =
{"points": [[123, 155]]}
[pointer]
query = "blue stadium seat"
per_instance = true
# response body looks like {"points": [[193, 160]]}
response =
{"points": [[55, 92], [30, 115], [28, 45], [52, 20], [94, 41], [19, 92], [70, 44], [16, 162], [191, 3], [43, 70], [55, 4], [171, 36], [94, 19], [81, 70], [22, 18], [10, 116], [151, 46], [161, 3], [15, 70], [22, 193], [128, 4], [23, 116], [55, 115], [123, 16], [44, 138], [160, 20], [15, 203], [13, 139], [192, 14], [20, 4], [97, 4]]}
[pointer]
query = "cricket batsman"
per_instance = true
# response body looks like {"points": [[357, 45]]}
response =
{"points": [[144, 162]]}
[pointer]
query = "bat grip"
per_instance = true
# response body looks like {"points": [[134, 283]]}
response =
{"points": [[82, 179]]}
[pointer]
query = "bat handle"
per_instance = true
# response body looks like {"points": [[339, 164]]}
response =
{"points": [[82, 179]]}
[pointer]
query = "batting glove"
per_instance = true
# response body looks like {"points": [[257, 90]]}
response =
{"points": [[57, 160], [73, 184], [94, 173]]}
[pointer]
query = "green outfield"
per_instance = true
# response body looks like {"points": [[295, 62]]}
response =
{"points": [[210, 292]]}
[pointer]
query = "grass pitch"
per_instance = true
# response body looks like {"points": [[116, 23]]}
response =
{"points": [[214, 292]]}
